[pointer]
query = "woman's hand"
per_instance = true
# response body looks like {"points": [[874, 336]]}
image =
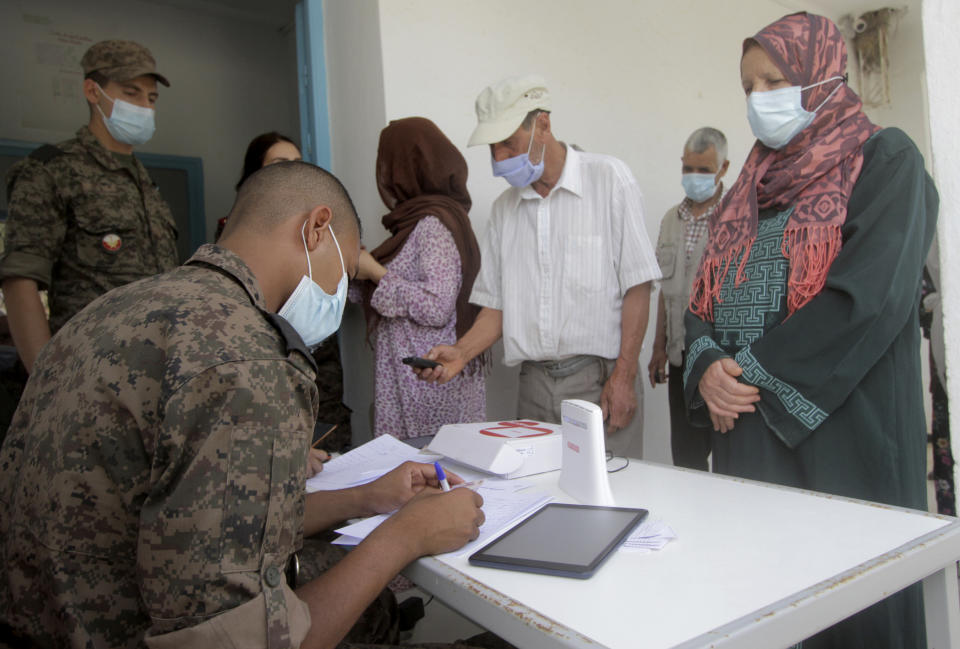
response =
{"points": [[369, 268], [726, 397]]}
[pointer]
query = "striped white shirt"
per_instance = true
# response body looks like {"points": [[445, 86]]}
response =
{"points": [[558, 267]]}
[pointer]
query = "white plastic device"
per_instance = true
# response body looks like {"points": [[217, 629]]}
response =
{"points": [[509, 449], [583, 471]]}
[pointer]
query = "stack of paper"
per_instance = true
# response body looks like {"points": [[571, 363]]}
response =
{"points": [[505, 503], [366, 463], [649, 535]]}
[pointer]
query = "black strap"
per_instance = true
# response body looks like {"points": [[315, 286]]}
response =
{"points": [[46, 153], [43, 155], [290, 336]]}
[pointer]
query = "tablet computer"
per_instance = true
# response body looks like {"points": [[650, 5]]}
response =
{"points": [[560, 539]]}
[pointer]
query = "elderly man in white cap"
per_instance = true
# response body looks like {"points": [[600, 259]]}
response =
{"points": [[566, 269]]}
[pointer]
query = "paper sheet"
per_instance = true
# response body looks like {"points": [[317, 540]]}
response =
{"points": [[505, 503], [651, 534], [366, 463]]}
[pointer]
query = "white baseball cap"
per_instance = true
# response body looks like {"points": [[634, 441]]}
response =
{"points": [[502, 107]]}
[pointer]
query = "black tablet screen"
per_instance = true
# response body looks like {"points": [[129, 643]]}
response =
{"points": [[562, 538]]}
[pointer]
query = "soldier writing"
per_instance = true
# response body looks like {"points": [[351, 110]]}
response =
{"points": [[152, 482]]}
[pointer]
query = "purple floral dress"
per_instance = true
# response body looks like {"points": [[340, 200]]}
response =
{"points": [[417, 304]]}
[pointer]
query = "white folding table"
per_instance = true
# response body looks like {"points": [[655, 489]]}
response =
{"points": [[754, 565]]}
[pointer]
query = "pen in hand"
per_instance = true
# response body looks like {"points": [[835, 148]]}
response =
{"points": [[324, 436], [441, 476]]}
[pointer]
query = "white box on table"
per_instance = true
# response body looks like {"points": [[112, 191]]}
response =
{"points": [[509, 449]]}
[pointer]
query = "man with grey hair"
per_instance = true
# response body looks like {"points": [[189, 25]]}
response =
{"points": [[566, 270], [682, 240]]}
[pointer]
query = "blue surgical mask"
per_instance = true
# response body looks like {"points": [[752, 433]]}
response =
{"points": [[776, 116], [313, 312], [518, 170], [128, 123], [699, 187]]}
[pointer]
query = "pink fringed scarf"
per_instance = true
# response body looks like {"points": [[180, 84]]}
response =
{"points": [[814, 173]]}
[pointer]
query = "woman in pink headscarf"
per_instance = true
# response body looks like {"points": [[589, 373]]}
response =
{"points": [[802, 335]]}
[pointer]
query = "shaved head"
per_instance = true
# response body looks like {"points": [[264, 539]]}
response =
{"points": [[285, 190]]}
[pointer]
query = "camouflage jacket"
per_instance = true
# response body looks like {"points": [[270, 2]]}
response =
{"points": [[152, 481], [80, 224]]}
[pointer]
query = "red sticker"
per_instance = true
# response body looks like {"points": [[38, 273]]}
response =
{"points": [[516, 429]]}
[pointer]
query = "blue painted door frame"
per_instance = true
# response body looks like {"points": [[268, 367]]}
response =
{"points": [[312, 83]]}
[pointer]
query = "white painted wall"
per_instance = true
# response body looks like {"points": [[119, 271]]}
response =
{"points": [[940, 19], [631, 79], [356, 102], [232, 77]]}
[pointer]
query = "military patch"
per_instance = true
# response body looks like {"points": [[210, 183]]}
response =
{"points": [[111, 242]]}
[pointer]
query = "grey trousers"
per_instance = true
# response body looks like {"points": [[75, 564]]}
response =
{"points": [[540, 395]]}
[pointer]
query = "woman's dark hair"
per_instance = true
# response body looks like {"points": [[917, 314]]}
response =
{"points": [[257, 149]]}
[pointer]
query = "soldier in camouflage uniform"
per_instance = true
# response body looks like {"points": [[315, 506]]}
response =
{"points": [[152, 483], [84, 215]]}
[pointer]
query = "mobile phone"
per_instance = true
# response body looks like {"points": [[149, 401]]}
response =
{"points": [[422, 363]]}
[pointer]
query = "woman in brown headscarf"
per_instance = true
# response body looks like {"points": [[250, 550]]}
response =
{"points": [[802, 336], [420, 279]]}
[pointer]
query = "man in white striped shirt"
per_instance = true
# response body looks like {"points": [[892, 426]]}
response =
{"points": [[565, 272]]}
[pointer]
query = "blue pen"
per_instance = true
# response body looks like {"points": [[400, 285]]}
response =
{"points": [[441, 476]]}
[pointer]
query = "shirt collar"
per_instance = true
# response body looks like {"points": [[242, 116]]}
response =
{"points": [[230, 264], [686, 203], [571, 178], [100, 153]]}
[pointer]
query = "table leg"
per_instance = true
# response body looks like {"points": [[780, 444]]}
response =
{"points": [[941, 603]]}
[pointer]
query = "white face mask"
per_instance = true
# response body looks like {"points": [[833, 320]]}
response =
{"points": [[776, 116], [699, 187], [128, 123], [314, 313]]}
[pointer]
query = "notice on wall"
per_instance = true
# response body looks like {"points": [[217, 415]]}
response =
{"points": [[51, 96]]}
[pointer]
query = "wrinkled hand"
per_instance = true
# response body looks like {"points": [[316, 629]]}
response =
{"points": [[657, 366], [618, 401], [724, 396], [451, 361], [437, 522], [315, 460], [396, 488]]}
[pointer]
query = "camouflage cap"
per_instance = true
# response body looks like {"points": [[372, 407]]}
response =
{"points": [[121, 61]]}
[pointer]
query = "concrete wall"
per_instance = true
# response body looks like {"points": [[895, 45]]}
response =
{"points": [[233, 76]]}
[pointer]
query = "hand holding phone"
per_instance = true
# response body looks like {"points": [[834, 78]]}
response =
{"points": [[422, 363]]}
